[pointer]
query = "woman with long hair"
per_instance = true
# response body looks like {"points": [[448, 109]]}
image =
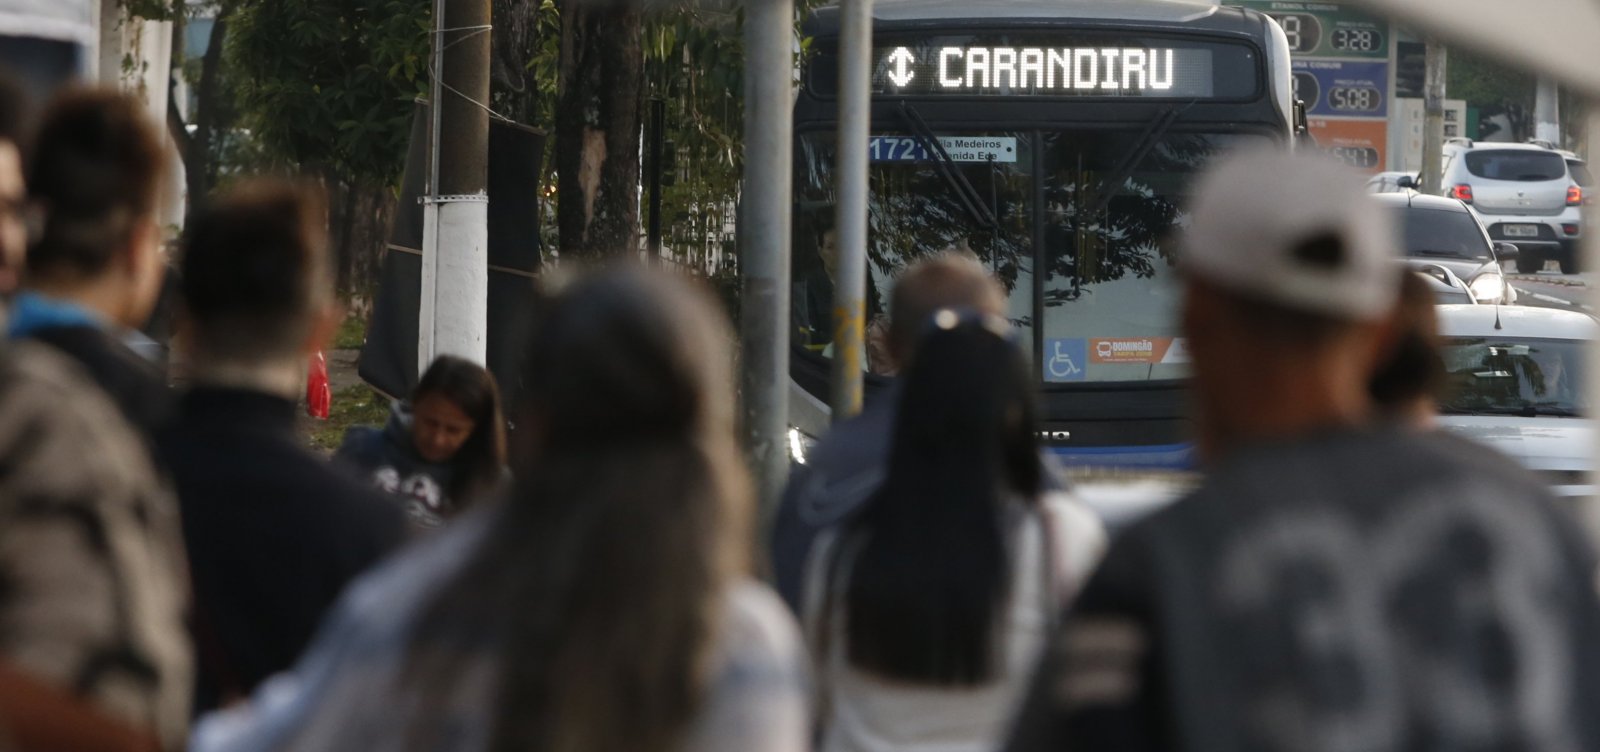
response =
{"points": [[443, 450], [607, 606], [928, 610]]}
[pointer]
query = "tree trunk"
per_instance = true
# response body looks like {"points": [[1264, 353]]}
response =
{"points": [[358, 232], [517, 39], [597, 128], [198, 162]]}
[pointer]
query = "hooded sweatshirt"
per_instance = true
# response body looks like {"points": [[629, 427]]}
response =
{"points": [[388, 459]]}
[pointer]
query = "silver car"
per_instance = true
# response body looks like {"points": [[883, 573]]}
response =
{"points": [[1525, 195], [1515, 382], [1442, 232]]}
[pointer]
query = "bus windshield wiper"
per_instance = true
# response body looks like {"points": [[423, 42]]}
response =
{"points": [[965, 193], [1130, 161]]}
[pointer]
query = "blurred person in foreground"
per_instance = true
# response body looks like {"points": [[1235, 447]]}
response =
{"points": [[1406, 387], [928, 610], [92, 652], [14, 209], [274, 533], [606, 605], [1337, 582], [443, 450], [847, 464], [95, 270]]}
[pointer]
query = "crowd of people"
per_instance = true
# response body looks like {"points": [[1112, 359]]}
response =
{"points": [[177, 569]]}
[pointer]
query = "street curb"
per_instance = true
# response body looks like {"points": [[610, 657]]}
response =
{"points": [[1561, 281]]}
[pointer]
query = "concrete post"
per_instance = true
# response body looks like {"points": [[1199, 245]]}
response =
{"points": [[764, 243], [453, 316], [1433, 117], [1547, 112]]}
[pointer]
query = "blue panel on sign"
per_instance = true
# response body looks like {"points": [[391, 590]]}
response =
{"points": [[896, 149], [1343, 88], [1066, 359]]}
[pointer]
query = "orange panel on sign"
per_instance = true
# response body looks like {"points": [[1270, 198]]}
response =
{"points": [[1358, 143]]}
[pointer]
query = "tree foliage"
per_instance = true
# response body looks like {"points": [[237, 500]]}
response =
{"points": [[328, 85], [694, 63]]}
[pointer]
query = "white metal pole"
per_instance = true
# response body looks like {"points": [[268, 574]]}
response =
{"points": [[850, 227], [763, 229], [1590, 247], [430, 202], [455, 285]]}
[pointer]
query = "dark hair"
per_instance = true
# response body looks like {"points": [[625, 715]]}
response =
{"points": [[928, 569], [471, 388], [96, 170], [604, 574], [1414, 369], [255, 270], [942, 280]]}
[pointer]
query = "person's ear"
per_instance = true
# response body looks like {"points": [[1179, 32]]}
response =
{"points": [[143, 248], [324, 323], [183, 335]]}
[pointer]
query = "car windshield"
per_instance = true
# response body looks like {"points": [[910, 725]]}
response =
{"points": [[1516, 165], [1580, 174], [1513, 376], [1109, 293], [1441, 233]]}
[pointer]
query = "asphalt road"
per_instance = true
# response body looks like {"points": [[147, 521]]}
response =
{"points": [[1549, 289]]}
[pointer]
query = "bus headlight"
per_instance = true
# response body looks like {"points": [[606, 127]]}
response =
{"points": [[800, 445], [1488, 288]]}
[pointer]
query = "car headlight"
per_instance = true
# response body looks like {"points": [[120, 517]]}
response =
{"points": [[800, 445], [1488, 288]]}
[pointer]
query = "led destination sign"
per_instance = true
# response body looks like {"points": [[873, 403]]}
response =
{"points": [[1062, 65], [1101, 70]]}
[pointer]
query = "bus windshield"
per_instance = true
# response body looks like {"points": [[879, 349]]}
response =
{"points": [[1093, 207]]}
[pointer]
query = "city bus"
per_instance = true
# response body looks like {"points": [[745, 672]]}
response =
{"points": [[1053, 140]]}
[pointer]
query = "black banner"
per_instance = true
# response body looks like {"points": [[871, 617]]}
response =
{"points": [[389, 358]]}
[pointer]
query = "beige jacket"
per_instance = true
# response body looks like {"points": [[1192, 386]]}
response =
{"points": [[93, 583]]}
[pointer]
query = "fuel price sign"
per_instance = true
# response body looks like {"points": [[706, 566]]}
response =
{"points": [[1325, 29], [1342, 88]]}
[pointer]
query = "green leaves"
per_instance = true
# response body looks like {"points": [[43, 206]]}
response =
{"points": [[329, 83]]}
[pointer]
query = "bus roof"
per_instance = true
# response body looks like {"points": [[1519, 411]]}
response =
{"points": [[64, 20], [891, 13]]}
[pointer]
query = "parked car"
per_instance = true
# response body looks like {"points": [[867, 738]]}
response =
{"points": [[1444, 232], [1525, 194], [1392, 182], [1515, 381]]}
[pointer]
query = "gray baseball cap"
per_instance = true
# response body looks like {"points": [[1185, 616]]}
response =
{"points": [[1294, 229]]}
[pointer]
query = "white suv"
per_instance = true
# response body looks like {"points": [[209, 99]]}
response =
{"points": [[1525, 195]]}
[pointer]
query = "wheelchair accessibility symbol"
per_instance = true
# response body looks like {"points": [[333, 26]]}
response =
{"points": [[1064, 359]]}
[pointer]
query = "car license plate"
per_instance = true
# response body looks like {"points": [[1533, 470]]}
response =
{"points": [[1520, 231]]}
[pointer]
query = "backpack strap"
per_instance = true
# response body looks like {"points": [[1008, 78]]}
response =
{"points": [[1052, 590]]}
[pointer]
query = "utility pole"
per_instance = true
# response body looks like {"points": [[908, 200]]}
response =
{"points": [[764, 242], [1433, 118], [850, 226], [453, 316], [1547, 112]]}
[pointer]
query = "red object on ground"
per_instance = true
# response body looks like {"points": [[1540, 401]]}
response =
{"points": [[319, 394]]}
